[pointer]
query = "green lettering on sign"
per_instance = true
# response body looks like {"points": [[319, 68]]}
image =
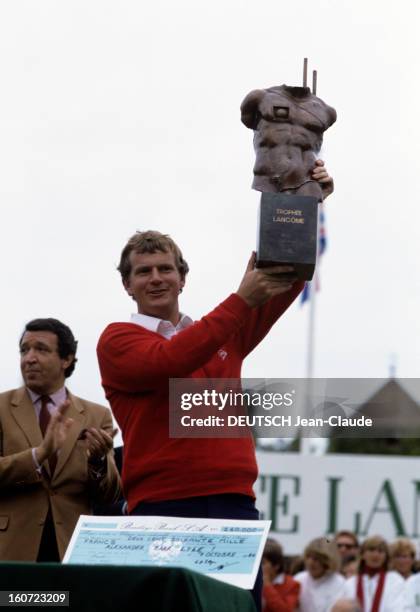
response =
{"points": [[332, 504], [282, 501], [358, 523], [391, 508], [262, 482], [415, 533]]}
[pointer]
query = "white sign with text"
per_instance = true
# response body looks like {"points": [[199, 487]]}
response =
{"points": [[310, 496]]}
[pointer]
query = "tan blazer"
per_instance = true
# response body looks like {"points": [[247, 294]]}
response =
{"points": [[25, 495]]}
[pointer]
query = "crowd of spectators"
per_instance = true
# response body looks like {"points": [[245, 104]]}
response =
{"points": [[339, 574]]}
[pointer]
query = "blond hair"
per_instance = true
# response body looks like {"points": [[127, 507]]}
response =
{"points": [[325, 552], [150, 242]]}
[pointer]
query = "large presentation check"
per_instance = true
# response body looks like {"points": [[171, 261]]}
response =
{"points": [[228, 550]]}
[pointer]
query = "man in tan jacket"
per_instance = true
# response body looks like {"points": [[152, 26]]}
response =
{"points": [[56, 450]]}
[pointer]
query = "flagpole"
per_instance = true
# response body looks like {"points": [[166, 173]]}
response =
{"points": [[305, 446], [311, 327], [305, 443]]}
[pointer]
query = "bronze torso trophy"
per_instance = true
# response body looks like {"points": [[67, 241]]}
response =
{"points": [[288, 124]]}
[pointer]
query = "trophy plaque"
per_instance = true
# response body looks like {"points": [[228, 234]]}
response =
{"points": [[288, 124], [287, 232]]}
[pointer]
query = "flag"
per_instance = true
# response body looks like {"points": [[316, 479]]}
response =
{"points": [[322, 245], [322, 233]]}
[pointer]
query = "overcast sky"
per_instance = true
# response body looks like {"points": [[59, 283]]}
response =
{"points": [[118, 116]]}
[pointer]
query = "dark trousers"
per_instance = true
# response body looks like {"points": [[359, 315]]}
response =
{"points": [[225, 506], [48, 551]]}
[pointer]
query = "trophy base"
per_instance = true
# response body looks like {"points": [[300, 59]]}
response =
{"points": [[287, 232]]}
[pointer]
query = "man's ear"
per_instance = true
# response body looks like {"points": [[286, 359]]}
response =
{"points": [[127, 287], [67, 361], [182, 283]]}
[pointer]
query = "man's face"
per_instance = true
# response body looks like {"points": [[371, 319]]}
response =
{"points": [[155, 284], [346, 546], [41, 366]]}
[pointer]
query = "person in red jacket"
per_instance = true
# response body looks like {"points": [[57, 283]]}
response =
{"points": [[163, 476], [280, 591]]}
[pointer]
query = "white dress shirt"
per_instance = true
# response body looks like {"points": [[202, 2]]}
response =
{"points": [[160, 326]]}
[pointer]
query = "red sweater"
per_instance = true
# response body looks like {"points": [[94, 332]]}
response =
{"points": [[282, 597], [136, 364]]}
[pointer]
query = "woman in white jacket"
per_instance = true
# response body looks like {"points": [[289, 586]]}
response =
{"points": [[321, 584], [376, 588]]}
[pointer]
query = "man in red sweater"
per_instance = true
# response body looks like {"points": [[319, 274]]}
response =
{"points": [[163, 476], [170, 476], [138, 358]]}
